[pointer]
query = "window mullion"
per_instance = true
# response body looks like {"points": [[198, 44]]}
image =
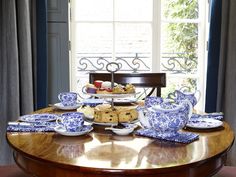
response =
{"points": [[114, 34], [156, 36]]}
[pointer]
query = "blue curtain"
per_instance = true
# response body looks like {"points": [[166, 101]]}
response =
{"points": [[41, 85], [213, 55]]}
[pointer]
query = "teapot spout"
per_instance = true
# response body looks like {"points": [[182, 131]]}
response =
{"points": [[142, 117]]}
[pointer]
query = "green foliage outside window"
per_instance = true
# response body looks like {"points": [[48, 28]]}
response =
{"points": [[182, 38]]}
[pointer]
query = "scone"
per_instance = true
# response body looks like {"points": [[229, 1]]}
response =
{"points": [[105, 114], [128, 115]]}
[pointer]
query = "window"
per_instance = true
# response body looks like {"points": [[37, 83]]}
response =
{"points": [[142, 35]]}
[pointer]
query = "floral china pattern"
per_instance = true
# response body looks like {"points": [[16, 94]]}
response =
{"points": [[169, 121], [186, 95], [180, 137]]}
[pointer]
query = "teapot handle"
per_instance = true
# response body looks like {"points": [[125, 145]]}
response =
{"points": [[190, 107], [197, 94]]}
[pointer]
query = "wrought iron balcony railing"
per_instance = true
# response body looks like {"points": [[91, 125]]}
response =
{"points": [[174, 63]]}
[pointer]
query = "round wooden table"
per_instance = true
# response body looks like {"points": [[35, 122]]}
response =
{"points": [[101, 153]]}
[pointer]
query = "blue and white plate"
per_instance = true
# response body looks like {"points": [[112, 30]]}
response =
{"points": [[204, 123], [92, 102], [61, 130], [33, 118], [62, 107]]}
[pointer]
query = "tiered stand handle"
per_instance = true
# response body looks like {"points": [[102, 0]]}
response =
{"points": [[112, 67]]}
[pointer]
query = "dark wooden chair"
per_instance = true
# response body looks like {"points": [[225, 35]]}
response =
{"points": [[142, 80], [12, 171], [226, 171]]}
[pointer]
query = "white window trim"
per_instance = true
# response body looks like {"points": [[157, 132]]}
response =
{"points": [[156, 36], [202, 22]]}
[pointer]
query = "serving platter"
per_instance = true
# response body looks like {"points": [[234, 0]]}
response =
{"points": [[204, 123], [34, 118], [90, 120], [112, 95], [122, 101]]}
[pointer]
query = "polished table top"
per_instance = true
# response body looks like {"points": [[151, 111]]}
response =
{"points": [[102, 151]]}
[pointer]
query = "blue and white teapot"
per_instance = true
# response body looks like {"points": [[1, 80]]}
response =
{"points": [[166, 118]]}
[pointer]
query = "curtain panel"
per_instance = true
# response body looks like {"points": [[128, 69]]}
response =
{"points": [[226, 94], [221, 74], [213, 55], [23, 63]]}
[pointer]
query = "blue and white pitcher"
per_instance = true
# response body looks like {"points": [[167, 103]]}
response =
{"points": [[192, 97]]}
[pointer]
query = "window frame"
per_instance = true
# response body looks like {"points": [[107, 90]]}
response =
{"points": [[202, 22]]}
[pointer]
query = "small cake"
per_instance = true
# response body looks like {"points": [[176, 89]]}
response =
{"points": [[129, 88], [106, 85], [90, 88], [98, 83], [118, 89]]}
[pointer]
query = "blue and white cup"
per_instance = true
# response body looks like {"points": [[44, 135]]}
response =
{"points": [[68, 98], [71, 121], [152, 101]]}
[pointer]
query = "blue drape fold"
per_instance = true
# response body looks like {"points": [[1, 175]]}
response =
{"points": [[41, 63], [213, 55]]}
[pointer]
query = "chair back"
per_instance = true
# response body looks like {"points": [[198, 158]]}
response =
{"points": [[142, 80]]}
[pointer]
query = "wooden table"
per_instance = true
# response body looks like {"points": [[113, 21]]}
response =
{"points": [[101, 154]]}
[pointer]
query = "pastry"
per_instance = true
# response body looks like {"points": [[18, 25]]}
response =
{"points": [[118, 89], [98, 83], [129, 88], [90, 88]]}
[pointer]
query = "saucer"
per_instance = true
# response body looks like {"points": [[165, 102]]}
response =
{"points": [[33, 118], [61, 130], [204, 123], [62, 107]]}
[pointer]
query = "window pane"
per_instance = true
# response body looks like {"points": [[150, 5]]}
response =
{"points": [[93, 38], [92, 47], [179, 9], [93, 10], [180, 83], [133, 10], [134, 40], [179, 46]]}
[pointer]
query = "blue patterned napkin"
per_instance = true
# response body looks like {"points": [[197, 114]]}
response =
{"points": [[31, 127], [214, 115], [180, 137]]}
